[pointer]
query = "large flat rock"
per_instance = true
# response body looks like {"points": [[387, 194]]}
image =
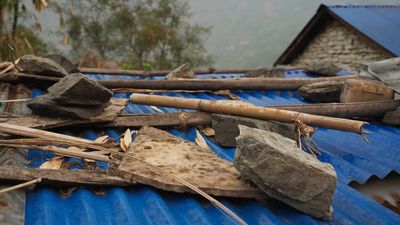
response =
{"points": [[226, 128], [183, 159], [285, 172], [44, 106], [41, 66], [79, 89]]}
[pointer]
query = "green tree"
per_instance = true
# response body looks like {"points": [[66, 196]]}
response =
{"points": [[139, 34], [24, 39]]}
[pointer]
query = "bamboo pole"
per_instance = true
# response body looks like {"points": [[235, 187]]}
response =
{"points": [[18, 186], [246, 110]]}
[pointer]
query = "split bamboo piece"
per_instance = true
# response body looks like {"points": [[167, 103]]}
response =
{"points": [[247, 110], [18, 186]]}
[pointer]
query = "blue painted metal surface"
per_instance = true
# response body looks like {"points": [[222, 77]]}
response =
{"points": [[353, 159], [381, 23]]}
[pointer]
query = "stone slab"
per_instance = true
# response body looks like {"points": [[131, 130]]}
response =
{"points": [[226, 128], [79, 89], [285, 172]]}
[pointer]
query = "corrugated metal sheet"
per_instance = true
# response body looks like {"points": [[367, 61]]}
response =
{"points": [[381, 23], [353, 159]]}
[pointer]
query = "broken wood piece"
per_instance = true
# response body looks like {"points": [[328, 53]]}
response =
{"points": [[246, 110], [346, 110], [62, 178], [62, 151], [227, 128], [18, 186], [326, 91], [179, 119], [365, 91], [183, 159], [286, 172], [41, 122]]}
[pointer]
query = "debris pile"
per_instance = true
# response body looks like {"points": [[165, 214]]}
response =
{"points": [[276, 155]]}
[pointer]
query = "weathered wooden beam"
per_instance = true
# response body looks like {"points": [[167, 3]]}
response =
{"points": [[62, 178], [180, 119], [345, 110], [260, 84]]}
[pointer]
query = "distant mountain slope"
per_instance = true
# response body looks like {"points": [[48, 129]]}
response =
{"points": [[253, 33]]}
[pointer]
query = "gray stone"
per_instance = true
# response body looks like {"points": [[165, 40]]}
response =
{"points": [[323, 69], [285, 172], [326, 91], [78, 89], [40, 66], [46, 107], [392, 117], [182, 72], [64, 62], [226, 128]]}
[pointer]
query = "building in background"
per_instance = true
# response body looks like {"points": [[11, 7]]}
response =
{"points": [[347, 35]]}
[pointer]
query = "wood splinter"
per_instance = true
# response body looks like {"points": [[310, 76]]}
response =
{"points": [[18, 186]]}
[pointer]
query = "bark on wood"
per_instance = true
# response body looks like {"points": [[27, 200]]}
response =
{"points": [[260, 84], [33, 121], [61, 178], [205, 84], [182, 159], [165, 72], [180, 119], [346, 110], [247, 110]]}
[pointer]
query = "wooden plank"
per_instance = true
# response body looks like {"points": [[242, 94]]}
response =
{"points": [[180, 119], [40, 122], [183, 159], [61, 177]]}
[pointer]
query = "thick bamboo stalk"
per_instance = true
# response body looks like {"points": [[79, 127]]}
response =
{"points": [[346, 110], [18, 186], [232, 108]]}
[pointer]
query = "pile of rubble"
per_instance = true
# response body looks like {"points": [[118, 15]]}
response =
{"points": [[275, 153]]}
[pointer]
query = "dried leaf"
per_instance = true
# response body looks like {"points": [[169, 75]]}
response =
{"points": [[53, 163], [201, 142], [102, 139], [208, 131], [126, 140]]}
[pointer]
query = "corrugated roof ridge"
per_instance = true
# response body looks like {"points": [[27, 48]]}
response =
{"points": [[355, 5]]}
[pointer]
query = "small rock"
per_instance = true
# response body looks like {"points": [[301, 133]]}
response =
{"points": [[326, 91], [392, 117], [285, 172], [80, 90], [64, 62], [40, 66], [267, 73], [226, 128], [325, 69], [44, 106], [181, 72]]}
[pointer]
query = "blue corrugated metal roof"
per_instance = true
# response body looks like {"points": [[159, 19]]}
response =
{"points": [[353, 159], [381, 23]]}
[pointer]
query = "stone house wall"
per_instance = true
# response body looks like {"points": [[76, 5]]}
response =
{"points": [[338, 44]]}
